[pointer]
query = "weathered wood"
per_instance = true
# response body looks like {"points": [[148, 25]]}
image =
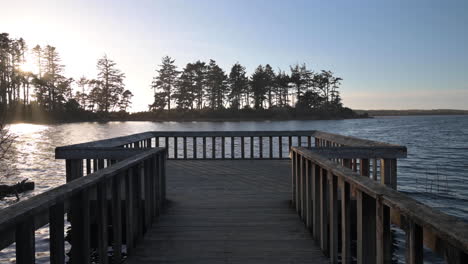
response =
{"points": [[213, 147], [249, 222], [204, 147], [414, 243], [293, 178], [185, 147], [223, 147], [242, 148], [25, 242], [345, 221], [260, 146], [364, 167], [233, 156], [176, 148], [194, 147], [316, 202], [101, 220], [129, 215], [252, 143], [56, 233], [366, 228], [388, 172], [333, 218], [280, 146], [308, 196], [117, 218], [324, 228], [383, 233]]}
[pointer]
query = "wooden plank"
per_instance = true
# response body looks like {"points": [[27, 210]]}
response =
{"points": [[252, 144], [25, 242], [324, 228], [293, 178], [308, 197], [242, 147], [260, 147], [280, 146], [129, 216], [56, 233], [117, 219], [316, 194], [345, 221], [102, 222], [223, 147], [366, 228], [233, 155], [333, 219], [364, 167], [383, 233], [388, 173], [204, 147], [414, 243], [185, 147], [213, 147], [194, 147]]}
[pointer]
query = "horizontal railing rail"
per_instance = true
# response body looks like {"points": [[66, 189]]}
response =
{"points": [[223, 144], [133, 191], [324, 191]]}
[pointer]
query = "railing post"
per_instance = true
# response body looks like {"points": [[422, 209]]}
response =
{"points": [[213, 147], [333, 207], [388, 172], [293, 178], [129, 213], [25, 242], [414, 243], [316, 201], [383, 233], [242, 148], [309, 206], [233, 156], [364, 167], [102, 222], [117, 218], [366, 225], [185, 147], [271, 147], [345, 222], [324, 242], [223, 143], [56, 233], [280, 146], [260, 147], [194, 147], [252, 147], [204, 147]]}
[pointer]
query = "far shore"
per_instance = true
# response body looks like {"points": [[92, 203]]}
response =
{"points": [[412, 112]]}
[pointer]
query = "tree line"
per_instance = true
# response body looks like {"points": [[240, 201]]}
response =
{"points": [[200, 85], [48, 89]]}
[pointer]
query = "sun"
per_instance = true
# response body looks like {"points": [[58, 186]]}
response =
{"points": [[28, 65]]}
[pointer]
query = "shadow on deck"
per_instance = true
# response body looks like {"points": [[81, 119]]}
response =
{"points": [[228, 211]]}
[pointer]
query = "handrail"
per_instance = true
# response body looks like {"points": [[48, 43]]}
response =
{"points": [[138, 180], [317, 182], [224, 144]]}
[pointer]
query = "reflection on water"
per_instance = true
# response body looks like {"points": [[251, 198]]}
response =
{"points": [[435, 171]]}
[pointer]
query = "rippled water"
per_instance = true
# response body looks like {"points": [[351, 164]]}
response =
{"points": [[435, 172]]}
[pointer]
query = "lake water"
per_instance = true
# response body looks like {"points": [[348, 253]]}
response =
{"points": [[435, 172]]}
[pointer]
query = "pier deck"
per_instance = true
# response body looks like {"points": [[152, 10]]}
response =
{"points": [[228, 211]]}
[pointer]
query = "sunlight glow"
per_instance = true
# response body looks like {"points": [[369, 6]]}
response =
{"points": [[23, 129], [29, 65]]}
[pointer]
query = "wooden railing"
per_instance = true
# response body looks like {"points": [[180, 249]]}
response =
{"points": [[128, 195], [337, 204]]}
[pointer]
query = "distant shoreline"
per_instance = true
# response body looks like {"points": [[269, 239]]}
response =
{"points": [[412, 112]]}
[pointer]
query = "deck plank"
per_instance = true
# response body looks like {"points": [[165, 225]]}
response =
{"points": [[228, 211]]}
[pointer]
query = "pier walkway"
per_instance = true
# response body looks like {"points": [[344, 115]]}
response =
{"points": [[228, 211], [231, 197]]}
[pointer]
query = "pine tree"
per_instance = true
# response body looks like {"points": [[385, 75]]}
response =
{"points": [[259, 83], [216, 86], [185, 88], [238, 83], [270, 84], [164, 83], [109, 85]]}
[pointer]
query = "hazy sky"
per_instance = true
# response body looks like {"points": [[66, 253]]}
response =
{"points": [[391, 54]]}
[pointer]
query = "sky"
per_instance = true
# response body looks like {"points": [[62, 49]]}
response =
{"points": [[390, 54]]}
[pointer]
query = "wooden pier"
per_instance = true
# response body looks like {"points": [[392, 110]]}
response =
{"points": [[231, 197]]}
